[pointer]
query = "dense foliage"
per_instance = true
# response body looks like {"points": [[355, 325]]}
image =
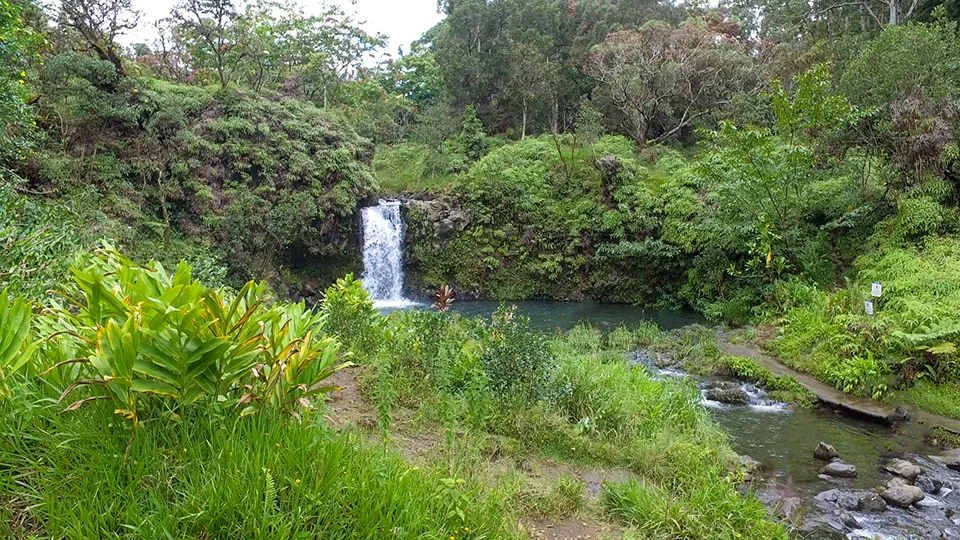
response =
{"points": [[758, 162]]}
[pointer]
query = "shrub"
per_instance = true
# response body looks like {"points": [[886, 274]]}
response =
{"points": [[516, 359], [139, 333], [351, 316]]}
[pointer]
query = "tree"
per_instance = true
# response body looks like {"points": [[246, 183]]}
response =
{"points": [[903, 60], [764, 177], [99, 23], [660, 80], [206, 25], [881, 12], [532, 78]]}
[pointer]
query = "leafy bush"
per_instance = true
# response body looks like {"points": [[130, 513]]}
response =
{"points": [[139, 332], [351, 317], [515, 358]]}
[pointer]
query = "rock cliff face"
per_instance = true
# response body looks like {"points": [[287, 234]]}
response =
{"points": [[430, 224]]}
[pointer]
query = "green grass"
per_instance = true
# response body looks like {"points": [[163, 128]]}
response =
{"points": [[598, 411], [939, 399], [705, 511], [217, 476]]}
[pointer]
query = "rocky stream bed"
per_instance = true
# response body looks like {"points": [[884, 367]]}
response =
{"points": [[829, 475]]}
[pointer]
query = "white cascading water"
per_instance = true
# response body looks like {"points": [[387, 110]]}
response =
{"points": [[383, 254]]}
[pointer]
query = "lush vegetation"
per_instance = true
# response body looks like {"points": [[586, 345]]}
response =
{"points": [[176, 219], [195, 411]]}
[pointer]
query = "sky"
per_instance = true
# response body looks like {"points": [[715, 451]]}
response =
{"points": [[403, 21]]}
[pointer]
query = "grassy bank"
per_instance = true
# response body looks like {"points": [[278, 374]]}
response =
{"points": [[906, 352], [156, 407]]}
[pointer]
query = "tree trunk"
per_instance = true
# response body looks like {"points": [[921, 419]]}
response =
{"points": [[556, 114], [894, 11], [523, 132]]}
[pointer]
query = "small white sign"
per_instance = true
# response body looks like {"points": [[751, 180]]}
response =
{"points": [[868, 307], [876, 290]]}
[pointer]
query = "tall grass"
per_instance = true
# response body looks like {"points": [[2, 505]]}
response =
{"points": [[595, 409], [220, 476], [706, 510]]}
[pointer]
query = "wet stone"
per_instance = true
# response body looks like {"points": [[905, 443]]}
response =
{"points": [[790, 508], [950, 459], [750, 465], [849, 521], [825, 452], [904, 469], [903, 496], [839, 469], [732, 396], [871, 502], [929, 484]]}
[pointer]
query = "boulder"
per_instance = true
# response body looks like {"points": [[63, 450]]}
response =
{"points": [[904, 469], [860, 499], [825, 452], [733, 396], [839, 469], [929, 484], [897, 481], [903, 495]]}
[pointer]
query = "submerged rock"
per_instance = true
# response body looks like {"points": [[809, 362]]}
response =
{"points": [[904, 469], [903, 496], [825, 452], [839, 469], [732, 396]]}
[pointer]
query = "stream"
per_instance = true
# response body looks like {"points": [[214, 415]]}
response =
{"points": [[782, 438]]}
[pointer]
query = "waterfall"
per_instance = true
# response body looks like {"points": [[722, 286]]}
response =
{"points": [[383, 254]]}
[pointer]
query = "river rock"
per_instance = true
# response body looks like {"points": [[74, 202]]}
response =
{"points": [[859, 499], [929, 484], [871, 502], [897, 481], [847, 500], [904, 469], [950, 459], [839, 469], [825, 452], [849, 521], [790, 508], [903, 496], [732, 396], [749, 465]]}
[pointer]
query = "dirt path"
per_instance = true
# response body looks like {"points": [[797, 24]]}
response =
{"points": [[863, 407], [347, 405]]}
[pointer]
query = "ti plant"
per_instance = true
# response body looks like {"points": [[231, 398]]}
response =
{"points": [[445, 298], [15, 346], [140, 333]]}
